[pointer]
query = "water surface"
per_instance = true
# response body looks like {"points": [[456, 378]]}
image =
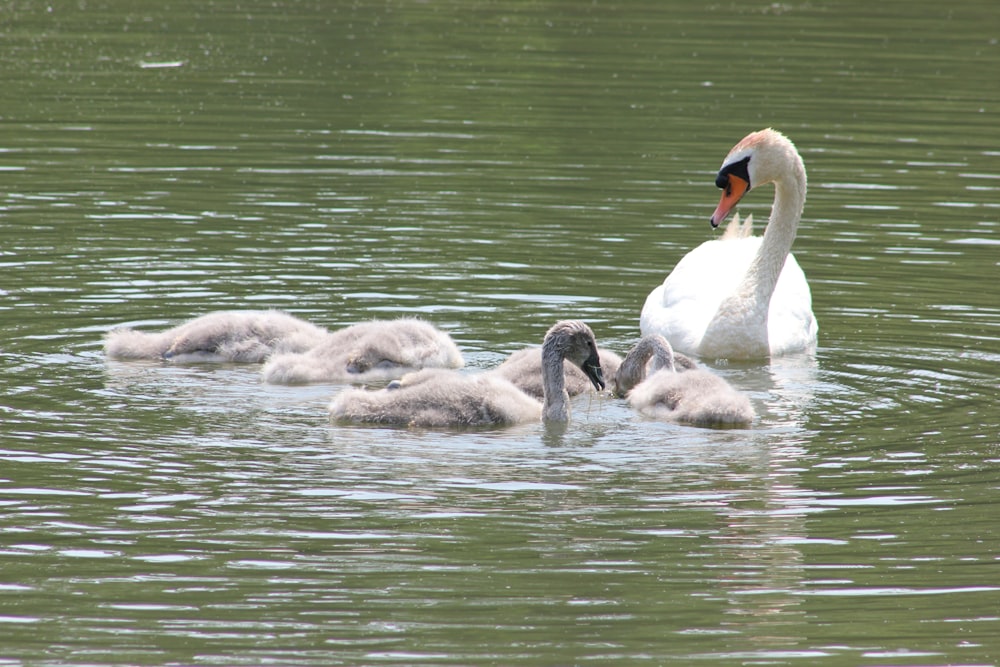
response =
{"points": [[493, 168]]}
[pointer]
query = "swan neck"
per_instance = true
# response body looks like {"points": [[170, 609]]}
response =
{"points": [[663, 357], [746, 310], [786, 212], [555, 403], [633, 369]]}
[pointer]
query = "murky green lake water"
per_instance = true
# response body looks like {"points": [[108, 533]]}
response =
{"points": [[493, 168]]}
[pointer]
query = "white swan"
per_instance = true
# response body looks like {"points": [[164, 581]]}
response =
{"points": [[742, 297], [374, 350], [248, 336], [695, 396], [435, 398]]}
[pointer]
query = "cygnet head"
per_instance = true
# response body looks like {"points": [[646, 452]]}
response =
{"points": [[633, 369], [766, 156], [573, 340]]}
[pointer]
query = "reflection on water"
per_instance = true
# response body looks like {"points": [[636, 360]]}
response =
{"points": [[492, 169]]}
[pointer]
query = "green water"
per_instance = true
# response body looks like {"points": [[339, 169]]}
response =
{"points": [[493, 168]]}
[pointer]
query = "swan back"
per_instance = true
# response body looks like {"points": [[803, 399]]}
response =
{"points": [[434, 397], [696, 397], [374, 350], [737, 230], [247, 336]]}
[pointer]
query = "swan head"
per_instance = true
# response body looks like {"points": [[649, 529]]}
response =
{"points": [[637, 365], [766, 156], [363, 363], [573, 340]]}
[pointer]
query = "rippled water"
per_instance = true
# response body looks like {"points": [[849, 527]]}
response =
{"points": [[493, 168]]}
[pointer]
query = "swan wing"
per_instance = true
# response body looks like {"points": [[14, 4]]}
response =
{"points": [[791, 325], [683, 306]]}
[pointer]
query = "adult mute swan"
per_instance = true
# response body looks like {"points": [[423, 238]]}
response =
{"points": [[374, 350], [247, 336], [435, 398], [742, 296], [694, 396]]}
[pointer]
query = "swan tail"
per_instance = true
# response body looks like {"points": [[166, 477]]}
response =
{"points": [[129, 344]]}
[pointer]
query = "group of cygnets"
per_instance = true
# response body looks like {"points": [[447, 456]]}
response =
{"points": [[421, 362], [737, 297]]}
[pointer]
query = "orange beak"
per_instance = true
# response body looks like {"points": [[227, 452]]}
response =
{"points": [[735, 188]]}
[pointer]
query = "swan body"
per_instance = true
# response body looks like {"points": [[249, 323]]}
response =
{"points": [[695, 396], [247, 336], [741, 296], [523, 369], [436, 398], [374, 350]]}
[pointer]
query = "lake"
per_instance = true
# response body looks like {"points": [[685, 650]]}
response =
{"points": [[493, 168]]}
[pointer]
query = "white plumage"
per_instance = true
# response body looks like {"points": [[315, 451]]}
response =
{"points": [[741, 296]]}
